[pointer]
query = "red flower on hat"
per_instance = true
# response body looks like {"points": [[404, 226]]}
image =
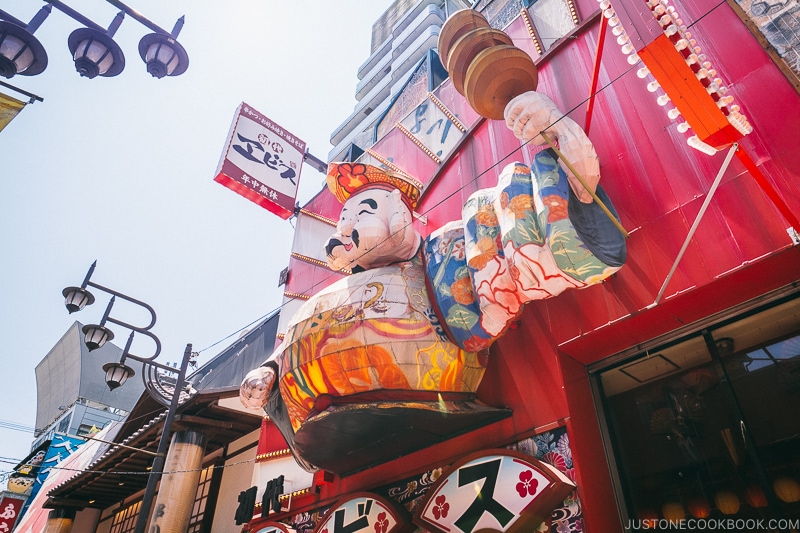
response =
{"points": [[352, 176]]}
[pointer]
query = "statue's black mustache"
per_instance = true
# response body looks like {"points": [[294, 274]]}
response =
{"points": [[333, 243]]}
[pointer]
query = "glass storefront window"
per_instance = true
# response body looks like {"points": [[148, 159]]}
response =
{"points": [[124, 520], [708, 426]]}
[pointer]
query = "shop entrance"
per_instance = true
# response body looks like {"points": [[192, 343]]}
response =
{"points": [[708, 426]]}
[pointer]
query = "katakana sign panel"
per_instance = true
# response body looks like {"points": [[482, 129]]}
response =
{"points": [[262, 161], [437, 132], [498, 490], [363, 513]]}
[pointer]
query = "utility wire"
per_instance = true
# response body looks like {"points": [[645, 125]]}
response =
{"points": [[5, 424]]}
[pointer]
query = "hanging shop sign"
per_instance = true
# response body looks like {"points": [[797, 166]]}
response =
{"points": [[9, 512], [261, 162], [22, 480], [499, 490], [364, 512]]}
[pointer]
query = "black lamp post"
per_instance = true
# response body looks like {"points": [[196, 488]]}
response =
{"points": [[92, 47], [168, 392]]}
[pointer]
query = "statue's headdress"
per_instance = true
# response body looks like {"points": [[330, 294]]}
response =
{"points": [[345, 179]]}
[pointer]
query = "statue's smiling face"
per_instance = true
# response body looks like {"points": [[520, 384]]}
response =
{"points": [[366, 232]]}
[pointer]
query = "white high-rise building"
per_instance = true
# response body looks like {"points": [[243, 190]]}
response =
{"points": [[404, 41], [71, 392]]}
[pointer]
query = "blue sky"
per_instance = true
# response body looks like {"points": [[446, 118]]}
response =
{"points": [[120, 170]]}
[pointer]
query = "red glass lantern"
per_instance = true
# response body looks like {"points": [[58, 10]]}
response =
{"points": [[699, 507], [649, 518], [755, 497]]}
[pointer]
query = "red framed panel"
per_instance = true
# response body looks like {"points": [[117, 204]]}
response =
{"points": [[457, 105], [401, 151], [324, 204], [307, 278]]}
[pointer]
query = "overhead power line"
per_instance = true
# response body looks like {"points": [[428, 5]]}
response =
{"points": [[5, 424]]}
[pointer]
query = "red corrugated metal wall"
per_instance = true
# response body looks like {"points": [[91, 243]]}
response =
{"points": [[657, 183]]}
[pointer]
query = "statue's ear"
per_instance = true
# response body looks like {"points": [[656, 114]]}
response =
{"points": [[397, 205]]}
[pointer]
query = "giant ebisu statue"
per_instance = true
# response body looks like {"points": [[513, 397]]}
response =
{"points": [[370, 364]]}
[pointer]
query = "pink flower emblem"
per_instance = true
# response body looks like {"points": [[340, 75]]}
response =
{"points": [[527, 485], [441, 507], [382, 523], [555, 459]]}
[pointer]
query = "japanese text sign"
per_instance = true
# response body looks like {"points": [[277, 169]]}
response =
{"points": [[9, 511], [433, 128], [261, 161], [247, 502], [270, 499], [501, 491], [363, 513]]}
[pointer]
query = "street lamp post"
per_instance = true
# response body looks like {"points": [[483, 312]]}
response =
{"points": [[166, 393], [158, 460]]}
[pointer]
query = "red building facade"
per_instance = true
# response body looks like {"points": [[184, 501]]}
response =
{"points": [[666, 391]]}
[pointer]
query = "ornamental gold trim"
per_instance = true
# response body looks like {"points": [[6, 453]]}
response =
{"points": [[317, 216], [573, 12], [449, 114], [301, 492], [307, 259], [419, 143], [317, 262], [272, 455], [295, 295], [384, 161], [284, 497], [529, 24]]}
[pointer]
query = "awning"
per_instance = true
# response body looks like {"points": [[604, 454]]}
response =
{"points": [[122, 470]]}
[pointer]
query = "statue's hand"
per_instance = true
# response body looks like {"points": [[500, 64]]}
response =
{"points": [[532, 114], [529, 114], [256, 387]]}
